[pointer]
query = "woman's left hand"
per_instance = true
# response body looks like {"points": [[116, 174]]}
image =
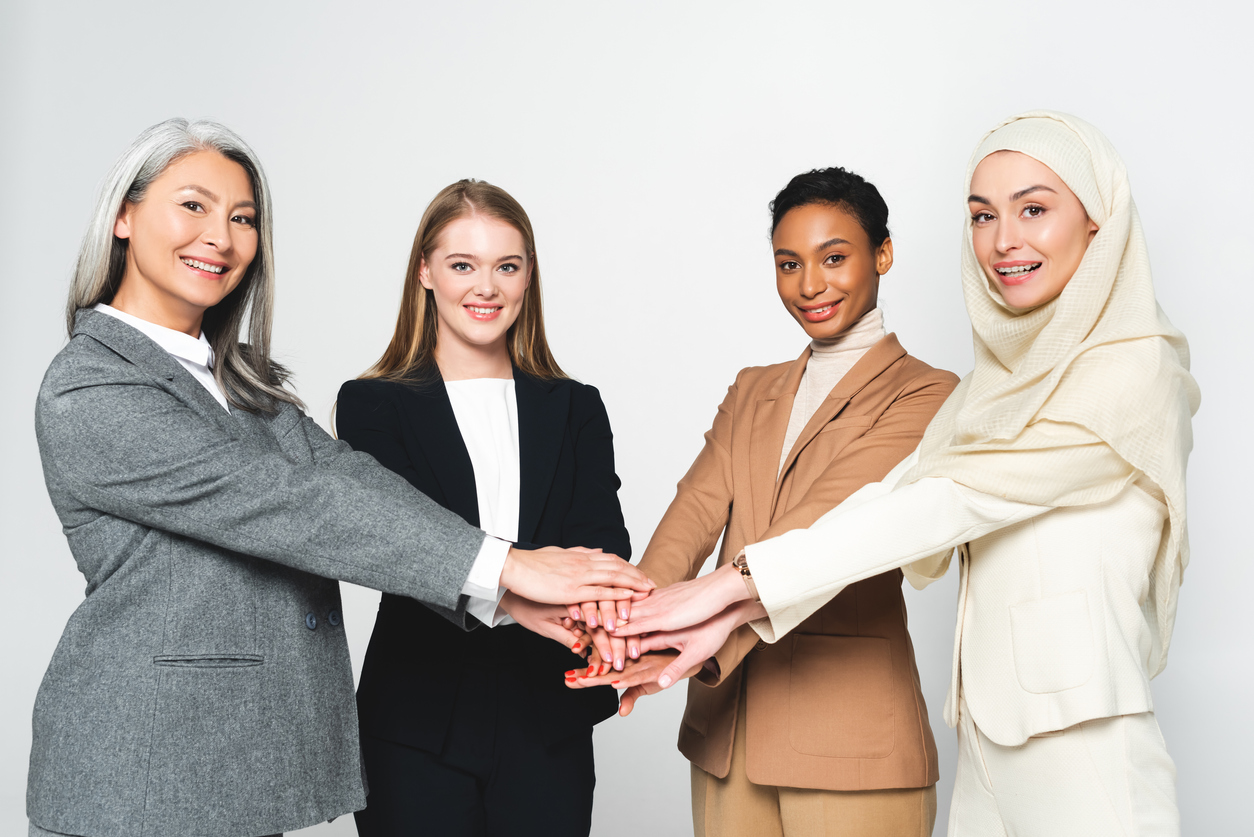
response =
{"points": [[686, 603]]}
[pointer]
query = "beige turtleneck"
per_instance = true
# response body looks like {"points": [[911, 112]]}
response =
{"points": [[828, 363]]}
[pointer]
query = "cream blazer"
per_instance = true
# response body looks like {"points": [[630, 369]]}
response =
{"points": [[1053, 626]]}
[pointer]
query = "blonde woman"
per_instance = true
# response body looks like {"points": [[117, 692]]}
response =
{"points": [[203, 686], [475, 733], [1057, 469]]}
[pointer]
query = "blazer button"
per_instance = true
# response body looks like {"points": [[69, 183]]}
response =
{"points": [[311, 621], [759, 645], [333, 619]]}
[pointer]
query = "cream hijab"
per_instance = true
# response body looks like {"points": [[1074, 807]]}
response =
{"points": [[1071, 401]]}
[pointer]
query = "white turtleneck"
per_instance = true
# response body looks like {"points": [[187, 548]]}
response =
{"points": [[829, 361]]}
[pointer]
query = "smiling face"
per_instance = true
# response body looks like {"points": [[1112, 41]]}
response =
{"points": [[478, 273], [826, 270], [190, 241], [1029, 230]]}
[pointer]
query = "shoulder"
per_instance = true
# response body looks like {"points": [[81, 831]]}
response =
{"points": [[754, 379], [87, 367], [913, 374], [584, 399]]}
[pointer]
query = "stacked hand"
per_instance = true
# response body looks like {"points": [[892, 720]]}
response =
{"points": [[668, 634]]}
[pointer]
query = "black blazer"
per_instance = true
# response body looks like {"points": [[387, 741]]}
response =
{"points": [[417, 661]]}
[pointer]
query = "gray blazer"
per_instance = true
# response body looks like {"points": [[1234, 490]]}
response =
{"points": [[203, 686]]}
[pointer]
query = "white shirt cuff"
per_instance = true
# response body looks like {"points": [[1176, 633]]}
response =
{"points": [[483, 585]]}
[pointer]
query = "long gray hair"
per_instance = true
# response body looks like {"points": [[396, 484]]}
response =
{"points": [[250, 379]]}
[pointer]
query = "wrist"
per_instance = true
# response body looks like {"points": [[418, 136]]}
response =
{"points": [[733, 587], [508, 568]]}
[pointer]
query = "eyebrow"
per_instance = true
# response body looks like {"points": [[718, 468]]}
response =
{"points": [[1019, 194], [473, 256], [211, 196], [831, 242]]}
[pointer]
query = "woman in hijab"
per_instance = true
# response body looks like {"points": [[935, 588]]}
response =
{"points": [[1057, 470]]}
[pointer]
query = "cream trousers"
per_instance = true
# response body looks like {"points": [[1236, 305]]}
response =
{"points": [[1109, 777]]}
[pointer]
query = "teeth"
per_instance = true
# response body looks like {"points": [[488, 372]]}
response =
{"points": [[820, 310], [210, 268], [1018, 271], [478, 310]]}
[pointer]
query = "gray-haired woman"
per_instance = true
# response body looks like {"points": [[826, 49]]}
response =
{"points": [[203, 686]]}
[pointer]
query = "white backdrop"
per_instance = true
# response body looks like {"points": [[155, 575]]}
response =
{"points": [[645, 141]]}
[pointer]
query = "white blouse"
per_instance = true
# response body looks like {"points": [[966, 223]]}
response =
{"points": [[486, 410]]}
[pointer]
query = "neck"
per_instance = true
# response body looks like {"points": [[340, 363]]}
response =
{"points": [[866, 331], [462, 362], [158, 308]]}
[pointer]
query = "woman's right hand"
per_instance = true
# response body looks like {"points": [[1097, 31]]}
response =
{"points": [[546, 620], [562, 576]]}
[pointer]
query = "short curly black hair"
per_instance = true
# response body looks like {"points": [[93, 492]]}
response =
{"points": [[840, 188]]}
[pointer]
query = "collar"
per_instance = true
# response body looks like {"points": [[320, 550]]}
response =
{"points": [[192, 349]]}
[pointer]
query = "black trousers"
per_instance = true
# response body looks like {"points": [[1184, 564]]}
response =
{"points": [[498, 782]]}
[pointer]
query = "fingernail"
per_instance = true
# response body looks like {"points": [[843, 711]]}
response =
{"points": [[615, 682], [592, 621], [618, 664], [664, 681], [570, 680], [635, 652], [591, 671], [622, 614], [609, 624], [572, 673], [578, 615], [576, 646]]}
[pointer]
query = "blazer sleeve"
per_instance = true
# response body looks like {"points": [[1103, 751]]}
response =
{"points": [[690, 529], [867, 459], [595, 517], [124, 446], [367, 420]]}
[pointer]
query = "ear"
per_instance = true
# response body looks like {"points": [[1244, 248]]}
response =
{"points": [[424, 273], [884, 257], [122, 224]]}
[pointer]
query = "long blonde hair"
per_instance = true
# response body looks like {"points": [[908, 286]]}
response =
{"points": [[251, 380], [411, 354]]}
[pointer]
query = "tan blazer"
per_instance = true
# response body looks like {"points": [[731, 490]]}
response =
{"points": [[836, 704]]}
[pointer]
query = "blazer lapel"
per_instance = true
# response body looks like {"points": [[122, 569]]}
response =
{"points": [[766, 439], [137, 348], [879, 357], [543, 408], [435, 426]]}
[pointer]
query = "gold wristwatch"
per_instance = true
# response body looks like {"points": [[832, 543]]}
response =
{"points": [[741, 564]]}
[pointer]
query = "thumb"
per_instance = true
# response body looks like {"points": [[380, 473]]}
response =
{"points": [[628, 701], [675, 671]]}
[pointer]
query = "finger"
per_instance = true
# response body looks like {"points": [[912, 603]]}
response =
{"points": [[624, 610], [593, 592], [576, 614], [628, 701], [590, 615], [620, 573], [660, 641], [582, 644], [618, 649], [602, 642], [606, 614]]}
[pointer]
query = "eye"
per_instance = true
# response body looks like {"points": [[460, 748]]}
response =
{"points": [[982, 217], [835, 258], [789, 265], [194, 206], [1033, 211], [244, 220], [508, 267], [461, 267]]}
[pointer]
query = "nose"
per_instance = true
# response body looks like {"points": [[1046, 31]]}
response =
{"points": [[217, 231], [485, 284], [1009, 236], [812, 283]]}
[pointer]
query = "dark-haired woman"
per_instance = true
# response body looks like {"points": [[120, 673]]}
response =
{"points": [[825, 733], [474, 733], [203, 686]]}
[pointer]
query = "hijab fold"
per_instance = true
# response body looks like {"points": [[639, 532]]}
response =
{"points": [[1071, 401]]}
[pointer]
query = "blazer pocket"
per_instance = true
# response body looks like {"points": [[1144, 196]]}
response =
{"points": [[208, 660], [840, 697], [1052, 643]]}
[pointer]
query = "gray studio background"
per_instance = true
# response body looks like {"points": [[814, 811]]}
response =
{"points": [[645, 141]]}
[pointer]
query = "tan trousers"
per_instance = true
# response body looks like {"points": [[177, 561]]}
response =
{"points": [[735, 807], [1109, 777]]}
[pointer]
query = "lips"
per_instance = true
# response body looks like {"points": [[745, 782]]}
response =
{"points": [[214, 269], [484, 313], [1016, 273], [819, 313]]}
